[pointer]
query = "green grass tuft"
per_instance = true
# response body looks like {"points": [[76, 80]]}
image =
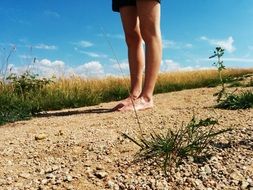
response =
{"points": [[190, 140], [241, 101]]}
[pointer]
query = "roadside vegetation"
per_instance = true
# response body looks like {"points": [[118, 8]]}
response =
{"points": [[23, 96]]}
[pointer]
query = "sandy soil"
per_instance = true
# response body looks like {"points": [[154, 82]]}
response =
{"points": [[83, 148]]}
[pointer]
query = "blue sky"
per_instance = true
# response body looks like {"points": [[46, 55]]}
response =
{"points": [[67, 38]]}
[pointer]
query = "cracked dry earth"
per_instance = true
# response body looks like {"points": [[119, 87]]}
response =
{"points": [[83, 148]]}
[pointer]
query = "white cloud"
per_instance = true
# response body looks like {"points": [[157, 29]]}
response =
{"points": [[45, 47], [48, 68], [242, 60], [92, 54], [175, 45], [57, 68], [116, 36], [84, 44], [91, 69], [231, 59], [44, 67], [48, 63], [122, 68], [170, 65], [225, 43]]}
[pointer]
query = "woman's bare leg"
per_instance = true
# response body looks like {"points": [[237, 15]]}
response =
{"points": [[133, 38], [148, 12], [149, 15], [136, 60]]}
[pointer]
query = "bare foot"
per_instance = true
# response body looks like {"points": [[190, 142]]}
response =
{"points": [[123, 103], [139, 104]]}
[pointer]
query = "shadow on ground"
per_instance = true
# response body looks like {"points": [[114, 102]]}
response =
{"points": [[74, 112]]}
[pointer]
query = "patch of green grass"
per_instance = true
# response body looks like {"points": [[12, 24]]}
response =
{"points": [[190, 140], [243, 100], [12, 108]]}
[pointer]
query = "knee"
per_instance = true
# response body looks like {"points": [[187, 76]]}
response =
{"points": [[133, 39], [150, 33]]}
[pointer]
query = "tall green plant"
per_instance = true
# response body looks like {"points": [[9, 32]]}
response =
{"points": [[229, 100], [219, 52]]}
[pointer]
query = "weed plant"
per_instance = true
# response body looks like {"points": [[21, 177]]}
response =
{"points": [[219, 52], [227, 100], [27, 83], [243, 100], [20, 97], [191, 139]]}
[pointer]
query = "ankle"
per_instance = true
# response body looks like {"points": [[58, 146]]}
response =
{"points": [[132, 96], [135, 95], [147, 98]]}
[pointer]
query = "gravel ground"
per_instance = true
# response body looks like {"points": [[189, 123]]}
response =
{"points": [[83, 148]]}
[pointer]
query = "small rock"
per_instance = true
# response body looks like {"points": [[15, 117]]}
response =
{"points": [[9, 180], [214, 159], [190, 158], [207, 169], [9, 163], [25, 175], [101, 174], [40, 136], [159, 185], [236, 175], [99, 167], [44, 181], [90, 175], [244, 185], [250, 181], [199, 184], [69, 178], [116, 187], [110, 184], [50, 176]]}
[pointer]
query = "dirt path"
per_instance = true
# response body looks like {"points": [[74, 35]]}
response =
{"points": [[83, 149]]}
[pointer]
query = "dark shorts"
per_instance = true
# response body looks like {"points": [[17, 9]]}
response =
{"points": [[116, 4]]}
